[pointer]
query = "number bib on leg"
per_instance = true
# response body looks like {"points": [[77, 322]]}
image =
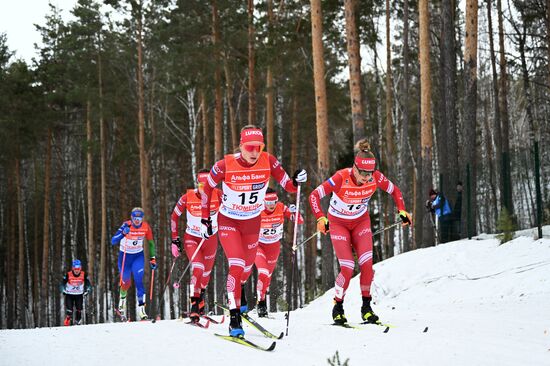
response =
{"points": [[244, 188]]}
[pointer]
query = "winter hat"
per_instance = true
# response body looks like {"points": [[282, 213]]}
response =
{"points": [[77, 264], [137, 212], [432, 192]]}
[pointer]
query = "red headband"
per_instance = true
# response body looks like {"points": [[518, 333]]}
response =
{"points": [[367, 164], [252, 135], [270, 197], [202, 178]]}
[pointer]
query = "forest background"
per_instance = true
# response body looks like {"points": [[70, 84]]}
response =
{"points": [[127, 100]]}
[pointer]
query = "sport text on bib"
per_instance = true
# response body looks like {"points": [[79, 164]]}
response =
{"points": [[193, 207], [271, 229], [244, 188], [75, 284], [351, 201]]}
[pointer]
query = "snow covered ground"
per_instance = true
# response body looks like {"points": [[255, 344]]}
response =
{"points": [[483, 304]]}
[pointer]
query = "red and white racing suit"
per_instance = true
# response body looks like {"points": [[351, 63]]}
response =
{"points": [[202, 264], [349, 223], [244, 186], [269, 244]]}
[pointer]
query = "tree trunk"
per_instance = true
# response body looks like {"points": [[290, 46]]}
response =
{"points": [[11, 271], [206, 133], [490, 159], [354, 63], [506, 176], [389, 134], [232, 117], [44, 319], [36, 251], [270, 114], [323, 159], [449, 120], [21, 279], [58, 244], [496, 123], [404, 141], [426, 139], [102, 285], [470, 109], [251, 65], [90, 192], [218, 111], [548, 38]]}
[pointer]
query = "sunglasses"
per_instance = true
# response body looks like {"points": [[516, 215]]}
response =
{"points": [[253, 148], [363, 173], [269, 203]]}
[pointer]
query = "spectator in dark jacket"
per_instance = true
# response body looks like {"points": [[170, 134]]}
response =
{"points": [[442, 209]]}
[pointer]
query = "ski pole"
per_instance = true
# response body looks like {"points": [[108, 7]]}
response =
{"points": [[177, 284], [151, 287], [308, 239], [386, 228], [293, 260], [122, 268]]}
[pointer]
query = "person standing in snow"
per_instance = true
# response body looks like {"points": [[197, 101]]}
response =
{"points": [[350, 228], [131, 237], [269, 243], [75, 286], [244, 177], [203, 262], [439, 205]]}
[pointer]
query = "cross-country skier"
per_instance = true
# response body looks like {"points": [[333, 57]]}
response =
{"points": [[203, 262], [245, 176], [132, 236], [269, 245], [350, 227], [75, 286]]}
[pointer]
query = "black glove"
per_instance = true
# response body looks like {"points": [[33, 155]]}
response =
{"points": [[299, 176], [429, 204], [206, 228]]}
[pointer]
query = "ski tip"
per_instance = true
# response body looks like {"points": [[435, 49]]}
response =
{"points": [[272, 347], [281, 335], [387, 330], [425, 330]]}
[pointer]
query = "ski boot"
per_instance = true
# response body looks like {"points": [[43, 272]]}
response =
{"points": [[262, 309], [194, 314], [235, 324], [67, 321], [122, 308], [244, 304], [141, 312], [201, 302], [367, 314], [338, 312]]}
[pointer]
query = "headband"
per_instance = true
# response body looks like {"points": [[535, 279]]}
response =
{"points": [[252, 135], [270, 197], [202, 178], [367, 164]]}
